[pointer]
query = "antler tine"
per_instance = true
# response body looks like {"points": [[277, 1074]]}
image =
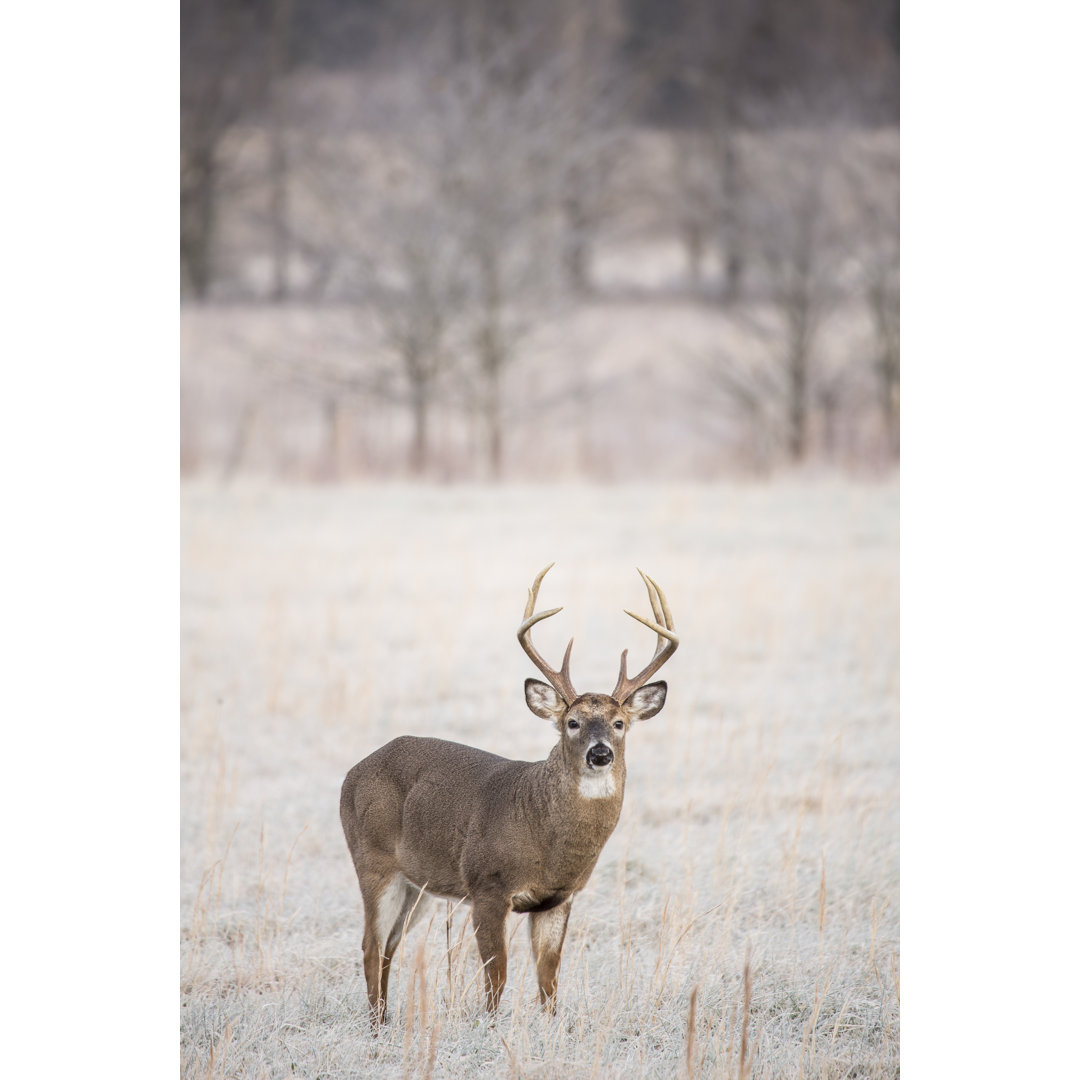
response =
{"points": [[655, 593], [559, 679], [667, 641]]}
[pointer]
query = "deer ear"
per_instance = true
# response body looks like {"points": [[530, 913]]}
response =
{"points": [[646, 702], [543, 700]]}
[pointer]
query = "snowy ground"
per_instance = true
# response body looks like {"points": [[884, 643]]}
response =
{"points": [[761, 816]]}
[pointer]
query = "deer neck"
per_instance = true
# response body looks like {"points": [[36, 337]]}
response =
{"points": [[586, 817]]}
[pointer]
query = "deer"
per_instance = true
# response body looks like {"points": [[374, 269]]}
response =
{"points": [[425, 817]]}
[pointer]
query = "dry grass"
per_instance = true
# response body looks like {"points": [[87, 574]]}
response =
{"points": [[743, 919]]}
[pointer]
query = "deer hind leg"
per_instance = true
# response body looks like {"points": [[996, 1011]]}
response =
{"points": [[547, 930], [391, 907], [489, 923]]}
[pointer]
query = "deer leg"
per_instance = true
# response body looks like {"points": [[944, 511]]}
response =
{"points": [[383, 903], [547, 929], [412, 903], [489, 924], [374, 969]]}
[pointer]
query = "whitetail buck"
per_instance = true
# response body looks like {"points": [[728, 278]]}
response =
{"points": [[425, 817]]}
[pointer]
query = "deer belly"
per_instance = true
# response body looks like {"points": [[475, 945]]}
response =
{"points": [[432, 875], [527, 902]]}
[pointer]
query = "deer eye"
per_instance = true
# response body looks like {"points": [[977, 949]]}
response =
{"points": [[573, 725], [619, 725]]}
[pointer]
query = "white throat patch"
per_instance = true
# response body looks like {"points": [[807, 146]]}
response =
{"points": [[599, 786]]}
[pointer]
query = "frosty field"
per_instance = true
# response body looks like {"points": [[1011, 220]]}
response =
{"points": [[757, 857]]}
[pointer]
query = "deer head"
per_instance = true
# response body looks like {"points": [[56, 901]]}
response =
{"points": [[592, 727]]}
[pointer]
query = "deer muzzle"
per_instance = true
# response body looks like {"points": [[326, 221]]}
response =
{"points": [[599, 755]]}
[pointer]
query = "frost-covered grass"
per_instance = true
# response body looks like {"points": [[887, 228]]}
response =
{"points": [[761, 815]]}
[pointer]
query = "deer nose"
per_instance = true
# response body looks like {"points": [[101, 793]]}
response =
{"points": [[599, 756]]}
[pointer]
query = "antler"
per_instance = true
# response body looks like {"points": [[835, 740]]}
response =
{"points": [[666, 642], [559, 679]]}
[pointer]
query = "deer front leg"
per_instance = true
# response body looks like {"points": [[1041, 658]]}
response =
{"points": [[489, 923], [548, 931]]}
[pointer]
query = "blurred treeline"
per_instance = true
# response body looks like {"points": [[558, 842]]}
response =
{"points": [[396, 216]]}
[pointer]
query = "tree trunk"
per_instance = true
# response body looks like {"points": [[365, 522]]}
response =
{"points": [[694, 243], [798, 307], [885, 312], [493, 425], [333, 448], [829, 399], [490, 404], [797, 402], [198, 219], [576, 246], [279, 211], [418, 451], [889, 396], [493, 354], [731, 227], [243, 437], [279, 163]]}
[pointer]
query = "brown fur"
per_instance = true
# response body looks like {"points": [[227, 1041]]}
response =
{"points": [[426, 817], [505, 835]]}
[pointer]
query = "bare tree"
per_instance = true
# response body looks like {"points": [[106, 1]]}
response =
{"points": [[415, 296], [784, 372], [444, 209], [800, 250], [882, 292], [280, 60], [874, 183], [707, 173], [707, 182], [222, 75], [694, 185], [589, 109], [716, 39], [487, 145], [399, 265]]}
